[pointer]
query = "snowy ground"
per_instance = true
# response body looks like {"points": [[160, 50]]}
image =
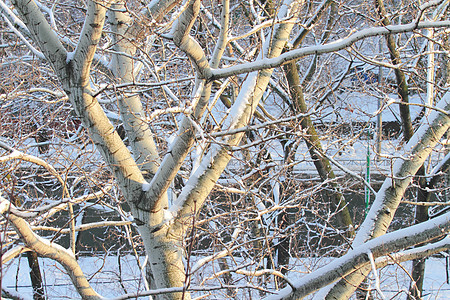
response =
{"points": [[112, 279]]}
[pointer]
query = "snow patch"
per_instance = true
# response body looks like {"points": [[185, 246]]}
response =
{"points": [[145, 186], [168, 216], [70, 56]]}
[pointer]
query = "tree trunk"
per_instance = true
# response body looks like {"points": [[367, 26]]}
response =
{"points": [[322, 164], [35, 276], [418, 265]]}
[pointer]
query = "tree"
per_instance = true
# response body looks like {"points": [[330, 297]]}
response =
{"points": [[145, 80]]}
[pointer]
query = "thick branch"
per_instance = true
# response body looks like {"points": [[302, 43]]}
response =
{"points": [[50, 250], [89, 38], [391, 192], [42, 33], [268, 63], [185, 42], [158, 9], [358, 257], [203, 180], [131, 110]]}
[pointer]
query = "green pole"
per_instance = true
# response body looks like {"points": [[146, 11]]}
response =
{"points": [[367, 191]]}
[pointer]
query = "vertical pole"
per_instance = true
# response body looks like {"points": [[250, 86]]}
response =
{"points": [[367, 191], [379, 118], [430, 71]]}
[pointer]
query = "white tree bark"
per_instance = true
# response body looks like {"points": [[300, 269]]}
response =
{"points": [[131, 109]]}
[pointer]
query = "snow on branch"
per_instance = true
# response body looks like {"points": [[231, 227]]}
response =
{"points": [[392, 190], [53, 208], [18, 155], [269, 63], [346, 170], [48, 249], [24, 40], [221, 254], [414, 253], [357, 257], [13, 252], [187, 289], [84, 227], [187, 43], [9, 15]]}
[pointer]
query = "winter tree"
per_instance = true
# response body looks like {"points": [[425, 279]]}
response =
{"points": [[227, 142]]}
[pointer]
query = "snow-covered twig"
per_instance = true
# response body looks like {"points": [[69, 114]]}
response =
{"points": [[258, 28], [18, 155], [84, 227], [13, 252], [258, 126], [24, 40], [221, 254], [190, 289], [171, 110], [426, 203], [48, 249], [13, 19], [375, 274], [427, 106], [50, 13]]}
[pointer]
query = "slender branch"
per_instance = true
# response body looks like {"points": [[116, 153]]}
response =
{"points": [[84, 227], [18, 155], [24, 40], [311, 22], [346, 170], [223, 35], [187, 289], [426, 203]]}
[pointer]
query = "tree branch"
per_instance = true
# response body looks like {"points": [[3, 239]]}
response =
{"points": [[50, 250], [89, 38], [268, 63], [357, 257], [42, 33]]}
